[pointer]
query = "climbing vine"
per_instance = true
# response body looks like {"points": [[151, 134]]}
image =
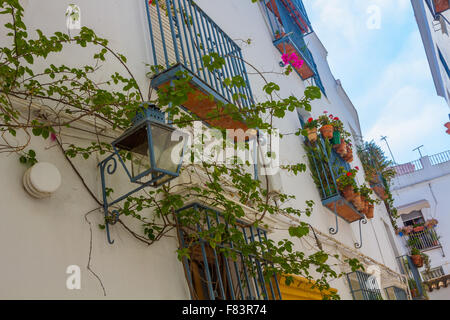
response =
{"points": [[39, 100]]}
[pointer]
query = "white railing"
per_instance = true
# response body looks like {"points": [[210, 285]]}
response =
{"points": [[439, 158]]}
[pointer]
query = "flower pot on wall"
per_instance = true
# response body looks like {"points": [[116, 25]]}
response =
{"points": [[327, 131], [417, 260], [312, 134]]}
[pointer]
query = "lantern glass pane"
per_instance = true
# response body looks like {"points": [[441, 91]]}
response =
{"points": [[167, 153], [140, 160]]}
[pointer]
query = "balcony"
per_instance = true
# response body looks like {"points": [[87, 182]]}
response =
{"points": [[296, 11], [325, 164], [181, 36], [289, 24], [424, 240]]}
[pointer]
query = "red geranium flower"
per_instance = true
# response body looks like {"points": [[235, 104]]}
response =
{"points": [[349, 174], [310, 120], [336, 118], [357, 168], [325, 112]]}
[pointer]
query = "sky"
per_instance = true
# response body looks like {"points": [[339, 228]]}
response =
{"points": [[375, 49]]}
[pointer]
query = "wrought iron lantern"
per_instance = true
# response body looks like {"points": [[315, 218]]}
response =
{"points": [[156, 156]]}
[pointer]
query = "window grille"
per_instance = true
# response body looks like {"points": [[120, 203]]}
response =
{"points": [[214, 276], [364, 286]]}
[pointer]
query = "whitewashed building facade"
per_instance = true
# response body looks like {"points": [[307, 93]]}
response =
{"points": [[420, 191], [40, 239]]}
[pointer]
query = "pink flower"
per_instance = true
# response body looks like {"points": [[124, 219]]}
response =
{"points": [[325, 112], [357, 168], [52, 137]]}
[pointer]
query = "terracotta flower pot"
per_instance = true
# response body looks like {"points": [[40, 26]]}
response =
{"points": [[341, 149], [349, 157], [365, 209], [348, 193], [417, 260], [357, 202], [327, 131], [312, 134], [369, 214]]}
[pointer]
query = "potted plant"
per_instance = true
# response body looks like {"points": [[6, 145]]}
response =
{"points": [[357, 201], [347, 184], [419, 228], [338, 128], [349, 157], [413, 288], [416, 257], [311, 129], [326, 128], [369, 209]]}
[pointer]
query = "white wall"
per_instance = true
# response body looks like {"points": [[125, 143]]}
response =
{"points": [[40, 238]]}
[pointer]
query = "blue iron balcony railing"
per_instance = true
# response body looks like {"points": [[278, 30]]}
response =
{"points": [[363, 286], [325, 165], [294, 9], [289, 23], [181, 36], [214, 276]]}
